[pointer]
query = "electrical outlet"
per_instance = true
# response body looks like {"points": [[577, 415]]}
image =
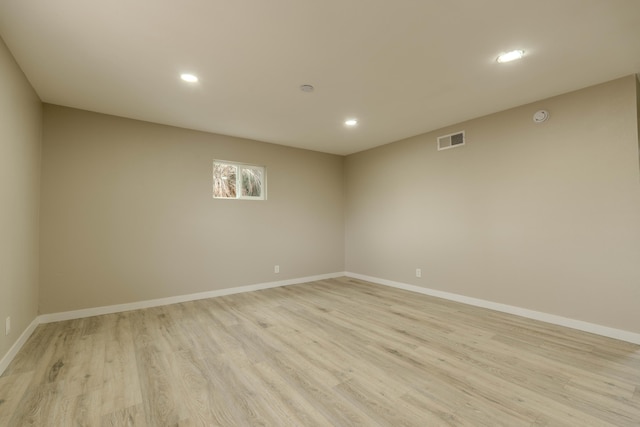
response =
{"points": [[7, 326], [418, 272], [276, 269]]}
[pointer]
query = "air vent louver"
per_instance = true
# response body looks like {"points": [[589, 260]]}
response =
{"points": [[450, 141]]}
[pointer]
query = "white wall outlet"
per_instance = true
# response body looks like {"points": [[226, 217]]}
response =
{"points": [[418, 272], [276, 269], [7, 326]]}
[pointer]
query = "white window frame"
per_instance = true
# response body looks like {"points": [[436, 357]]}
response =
{"points": [[238, 185]]}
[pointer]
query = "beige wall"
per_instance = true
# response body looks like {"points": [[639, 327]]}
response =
{"points": [[638, 111], [128, 213], [20, 128], [544, 217]]}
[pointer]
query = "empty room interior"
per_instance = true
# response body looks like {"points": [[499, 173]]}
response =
{"points": [[320, 213]]}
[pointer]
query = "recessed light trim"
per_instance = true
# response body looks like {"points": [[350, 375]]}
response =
{"points": [[306, 88], [351, 122], [189, 78], [510, 56]]}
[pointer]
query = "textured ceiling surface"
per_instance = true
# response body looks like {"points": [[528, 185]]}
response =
{"points": [[401, 68]]}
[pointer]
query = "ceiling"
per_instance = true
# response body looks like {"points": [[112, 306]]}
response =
{"points": [[400, 67]]}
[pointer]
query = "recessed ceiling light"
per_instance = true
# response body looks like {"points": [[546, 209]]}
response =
{"points": [[511, 56], [189, 78], [306, 88], [351, 122]]}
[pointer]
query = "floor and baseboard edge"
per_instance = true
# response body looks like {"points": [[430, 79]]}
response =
{"points": [[96, 311], [15, 348], [518, 311]]}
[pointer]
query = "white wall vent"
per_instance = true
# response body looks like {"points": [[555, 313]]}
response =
{"points": [[451, 141]]}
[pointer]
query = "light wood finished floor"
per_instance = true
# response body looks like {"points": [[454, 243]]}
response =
{"points": [[338, 352]]}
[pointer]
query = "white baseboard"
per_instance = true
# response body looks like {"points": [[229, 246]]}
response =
{"points": [[96, 311], [518, 311], [593, 328], [15, 348]]}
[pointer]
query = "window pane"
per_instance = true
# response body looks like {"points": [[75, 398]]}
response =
{"points": [[252, 182], [224, 180], [233, 180]]}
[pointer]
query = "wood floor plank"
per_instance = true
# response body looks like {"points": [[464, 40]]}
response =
{"points": [[38, 405], [303, 412], [12, 390], [388, 412], [77, 410], [435, 413], [121, 387], [132, 416], [335, 352]]}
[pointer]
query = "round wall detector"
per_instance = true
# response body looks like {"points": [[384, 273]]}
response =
{"points": [[540, 116]]}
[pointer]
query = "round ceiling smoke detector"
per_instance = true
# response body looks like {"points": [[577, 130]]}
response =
{"points": [[306, 88], [540, 116]]}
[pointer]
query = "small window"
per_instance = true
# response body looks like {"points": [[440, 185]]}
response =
{"points": [[238, 181]]}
